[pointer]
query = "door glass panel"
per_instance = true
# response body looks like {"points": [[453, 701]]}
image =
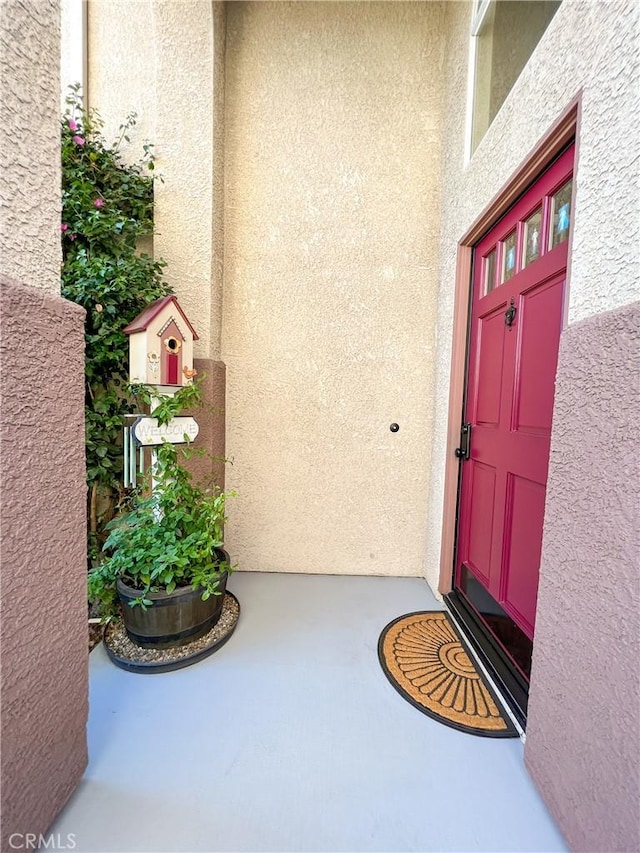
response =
{"points": [[509, 257], [560, 215], [490, 272], [531, 238]]}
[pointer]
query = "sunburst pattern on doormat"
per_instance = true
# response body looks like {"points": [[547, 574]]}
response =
{"points": [[424, 658]]}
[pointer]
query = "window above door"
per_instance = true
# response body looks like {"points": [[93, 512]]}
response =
{"points": [[504, 35]]}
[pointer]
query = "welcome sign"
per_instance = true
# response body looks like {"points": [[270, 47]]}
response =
{"points": [[147, 432]]}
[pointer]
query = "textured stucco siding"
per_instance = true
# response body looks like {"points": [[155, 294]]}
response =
{"points": [[160, 65], [43, 634], [167, 65], [217, 224], [332, 152], [583, 732], [210, 417], [122, 68], [589, 47], [30, 142]]}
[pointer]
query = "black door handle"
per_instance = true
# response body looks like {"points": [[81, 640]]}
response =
{"points": [[464, 451]]}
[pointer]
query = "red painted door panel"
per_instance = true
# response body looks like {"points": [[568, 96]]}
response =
{"points": [[517, 307]]}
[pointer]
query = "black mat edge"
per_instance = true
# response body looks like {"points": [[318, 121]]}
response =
{"points": [[151, 668], [509, 732]]}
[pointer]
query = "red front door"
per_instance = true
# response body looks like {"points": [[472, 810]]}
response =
{"points": [[516, 318]]}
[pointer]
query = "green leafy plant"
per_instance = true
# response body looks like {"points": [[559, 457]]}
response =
{"points": [[107, 210], [168, 407], [167, 538]]}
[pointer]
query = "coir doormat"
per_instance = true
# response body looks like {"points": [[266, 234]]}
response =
{"points": [[425, 659]]}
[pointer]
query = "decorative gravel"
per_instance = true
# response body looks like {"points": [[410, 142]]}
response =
{"points": [[117, 639]]}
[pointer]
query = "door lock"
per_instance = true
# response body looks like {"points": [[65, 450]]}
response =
{"points": [[464, 451]]}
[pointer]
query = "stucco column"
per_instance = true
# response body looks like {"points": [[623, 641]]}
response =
{"points": [[184, 147], [188, 203], [165, 61], [43, 626]]}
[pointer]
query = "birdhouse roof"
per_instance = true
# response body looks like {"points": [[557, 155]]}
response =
{"points": [[141, 322]]}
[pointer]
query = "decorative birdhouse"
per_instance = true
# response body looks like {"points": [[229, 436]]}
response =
{"points": [[161, 345]]}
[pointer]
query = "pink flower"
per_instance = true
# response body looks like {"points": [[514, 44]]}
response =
{"points": [[72, 125], [99, 202], [78, 140], [63, 226], [72, 236]]}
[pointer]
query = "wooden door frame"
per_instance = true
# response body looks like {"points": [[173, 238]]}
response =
{"points": [[561, 133]]}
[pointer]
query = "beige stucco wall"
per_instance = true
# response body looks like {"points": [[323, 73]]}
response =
{"points": [[164, 59], [217, 224], [29, 144], [333, 132], [589, 47], [161, 66]]}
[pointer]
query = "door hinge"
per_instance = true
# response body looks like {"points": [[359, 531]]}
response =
{"points": [[464, 451]]}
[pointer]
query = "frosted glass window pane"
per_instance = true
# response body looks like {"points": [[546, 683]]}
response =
{"points": [[560, 215], [531, 238], [509, 257], [490, 272]]}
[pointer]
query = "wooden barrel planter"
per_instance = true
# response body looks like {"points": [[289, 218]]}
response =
{"points": [[175, 618]]}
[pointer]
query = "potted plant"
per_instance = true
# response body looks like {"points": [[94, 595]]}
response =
{"points": [[166, 570]]}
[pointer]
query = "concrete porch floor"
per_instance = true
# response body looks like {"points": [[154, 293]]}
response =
{"points": [[290, 738]]}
